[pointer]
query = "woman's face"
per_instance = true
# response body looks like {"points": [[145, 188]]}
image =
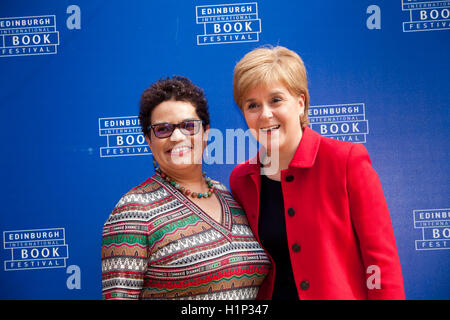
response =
{"points": [[273, 115], [179, 151]]}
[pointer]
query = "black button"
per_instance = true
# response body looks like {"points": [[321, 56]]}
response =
{"points": [[304, 285], [289, 178], [291, 212], [296, 247]]}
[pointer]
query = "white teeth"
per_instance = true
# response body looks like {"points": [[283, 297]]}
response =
{"points": [[180, 149], [270, 128]]}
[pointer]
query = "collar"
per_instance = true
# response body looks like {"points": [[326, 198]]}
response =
{"points": [[307, 150], [304, 156]]}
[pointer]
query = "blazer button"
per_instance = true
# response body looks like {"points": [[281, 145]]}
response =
{"points": [[291, 212], [296, 247], [289, 178], [304, 285]]}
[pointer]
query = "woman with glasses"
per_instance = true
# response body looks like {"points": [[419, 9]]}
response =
{"points": [[315, 203], [179, 234]]}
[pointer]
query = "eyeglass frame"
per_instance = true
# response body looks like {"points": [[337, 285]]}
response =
{"points": [[175, 126]]}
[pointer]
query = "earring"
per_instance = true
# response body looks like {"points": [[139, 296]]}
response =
{"points": [[154, 163]]}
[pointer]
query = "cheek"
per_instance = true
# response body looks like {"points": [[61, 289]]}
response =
{"points": [[197, 142], [156, 148], [251, 120], [252, 123], [289, 116]]}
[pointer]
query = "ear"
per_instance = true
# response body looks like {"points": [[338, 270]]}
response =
{"points": [[205, 136], [301, 102], [148, 141]]}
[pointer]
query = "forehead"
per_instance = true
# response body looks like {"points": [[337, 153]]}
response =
{"points": [[265, 90], [173, 111]]}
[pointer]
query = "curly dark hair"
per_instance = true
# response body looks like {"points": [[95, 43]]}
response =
{"points": [[177, 88]]}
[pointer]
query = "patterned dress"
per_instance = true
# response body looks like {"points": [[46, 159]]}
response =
{"points": [[158, 244]]}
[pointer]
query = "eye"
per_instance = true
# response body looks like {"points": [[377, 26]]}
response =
{"points": [[189, 125], [252, 106], [162, 128], [276, 100]]}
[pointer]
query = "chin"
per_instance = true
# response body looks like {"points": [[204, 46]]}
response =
{"points": [[183, 162], [276, 146]]}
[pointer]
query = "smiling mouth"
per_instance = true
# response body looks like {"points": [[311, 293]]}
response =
{"points": [[180, 150], [269, 129]]}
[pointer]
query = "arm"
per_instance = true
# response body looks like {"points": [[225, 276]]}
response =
{"points": [[124, 257], [372, 223]]}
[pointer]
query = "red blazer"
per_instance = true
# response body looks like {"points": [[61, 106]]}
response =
{"points": [[337, 222]]}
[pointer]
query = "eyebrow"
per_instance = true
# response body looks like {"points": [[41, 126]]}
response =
{"points": [[189, 119], [273, 93]]}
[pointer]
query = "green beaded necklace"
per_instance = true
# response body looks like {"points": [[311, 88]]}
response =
{"points": [[187, 192]]}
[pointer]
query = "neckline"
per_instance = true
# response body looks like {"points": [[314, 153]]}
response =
{"points": [[266, 178], [224, 228]]}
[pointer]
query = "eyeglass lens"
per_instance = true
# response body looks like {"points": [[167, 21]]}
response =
{"points": [[164, 130]]}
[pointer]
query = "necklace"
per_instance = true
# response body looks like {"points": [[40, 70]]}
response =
{"points": [[187, 192]]}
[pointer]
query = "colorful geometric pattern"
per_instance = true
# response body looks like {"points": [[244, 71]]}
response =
{"points": [[158, 244]]}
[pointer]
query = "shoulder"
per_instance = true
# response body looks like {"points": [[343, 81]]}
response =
{"points": [[334, 146], [347, 159], [240, 176], [243, 169], [136, 203], [144, 193], [340, 150]]}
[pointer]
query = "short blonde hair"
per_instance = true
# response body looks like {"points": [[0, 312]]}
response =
{"points": [[266, 65]]}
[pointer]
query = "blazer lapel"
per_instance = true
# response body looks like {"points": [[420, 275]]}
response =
{"points": [[307, 150]]}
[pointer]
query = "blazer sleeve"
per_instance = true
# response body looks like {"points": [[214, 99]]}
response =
{"points": [[372, 223]]}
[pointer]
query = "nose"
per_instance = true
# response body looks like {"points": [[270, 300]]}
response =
{"points": [[266, 112], [177, 135]]}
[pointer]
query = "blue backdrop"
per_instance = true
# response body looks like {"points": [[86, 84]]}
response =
{"points": [[71, 76]]}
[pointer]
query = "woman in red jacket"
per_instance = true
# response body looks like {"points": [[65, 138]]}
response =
{"points": [[315, 203]]}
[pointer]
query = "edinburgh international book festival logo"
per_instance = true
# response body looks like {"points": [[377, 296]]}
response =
{"points": [[36, 249], [228, 23], [435, 227], [345, 122], [426, 15], [123, 137], [25, 36]]}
